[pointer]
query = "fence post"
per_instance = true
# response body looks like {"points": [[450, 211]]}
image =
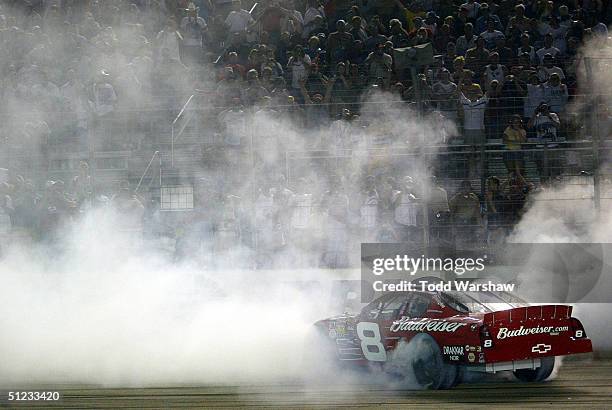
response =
{"points": [[595, 136]]}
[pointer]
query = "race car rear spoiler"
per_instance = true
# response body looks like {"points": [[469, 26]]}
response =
{"points": [[523, 314]]}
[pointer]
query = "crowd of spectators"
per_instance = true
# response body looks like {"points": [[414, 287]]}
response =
{"points": [[502, 71], [316, 222]]}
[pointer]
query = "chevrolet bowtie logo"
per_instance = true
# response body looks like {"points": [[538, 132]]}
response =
{"points": [[541, 348]]}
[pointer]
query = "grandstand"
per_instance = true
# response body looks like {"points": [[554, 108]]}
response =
{"points": [[285, 116]]}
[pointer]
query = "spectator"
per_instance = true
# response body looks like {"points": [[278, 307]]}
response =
{"points": [[477, 57], [444, 94], [356, 30], [297, 67], [369, 210], [514, 136], [467, 40], [252, 92], [535, 96], [443, 37], [378, 65], [490, 35], [506, 56], [494, 114], [473, 110], [527, 48], [193, 29], [465, 212], [485, 16], [512, 94], [555, 93], [496, 205], [169, 41], [548, 49], [338, 43], [472, 8], [75, 95], [493, 71], [516, 189], [546, 125], [547, 69], [335, 205], [399, 36], [238, 20], [406, 206]]}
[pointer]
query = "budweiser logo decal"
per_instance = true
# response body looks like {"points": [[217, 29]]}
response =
{"points": [[504, 333], [425, 325]]}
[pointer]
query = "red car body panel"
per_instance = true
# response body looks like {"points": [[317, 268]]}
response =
{"points": [[470, 339]]}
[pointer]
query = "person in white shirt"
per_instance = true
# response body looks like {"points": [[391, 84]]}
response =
{"points": [[169, 39], [525, 47], [238, 20], [547, 69], [298, 66], [445, 95], [555, 93], [193, 28], [234, 120], [535, 96], [545, 122], [548, 48], [405, 210], [494, 71], [473, 118]]}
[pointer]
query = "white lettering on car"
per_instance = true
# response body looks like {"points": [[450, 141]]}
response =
{"points": [[504, 332], [425, 325]]}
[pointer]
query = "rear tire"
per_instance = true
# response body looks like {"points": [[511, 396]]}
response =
{"points": [[536, 375], [419, 364]]}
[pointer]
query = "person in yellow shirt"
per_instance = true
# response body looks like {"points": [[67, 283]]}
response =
{"points": [[411, 12], [514, 136]]}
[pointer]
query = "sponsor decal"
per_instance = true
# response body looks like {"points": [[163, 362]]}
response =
{"points": [[541, 348], [425, 325], [481, 358], [453, 350], [504, 332], [454, 353], [333, 334], [470, 348], [471, 357]]}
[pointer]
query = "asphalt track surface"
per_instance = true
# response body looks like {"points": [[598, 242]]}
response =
{"points": [[579, 384]]}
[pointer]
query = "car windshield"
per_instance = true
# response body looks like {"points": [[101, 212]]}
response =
{"points": [[463, 302]]}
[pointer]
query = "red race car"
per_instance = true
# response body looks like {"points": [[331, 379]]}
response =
{"points": [[435, 337]]}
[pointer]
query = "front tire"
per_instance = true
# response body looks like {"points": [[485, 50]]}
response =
{"points": [[536, 375], [419, 363]]}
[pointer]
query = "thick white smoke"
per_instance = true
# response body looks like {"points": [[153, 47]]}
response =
{"points": [[101, 311]]}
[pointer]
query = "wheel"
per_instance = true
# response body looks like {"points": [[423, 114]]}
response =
{"points": [[419, 364], [539, 374]]}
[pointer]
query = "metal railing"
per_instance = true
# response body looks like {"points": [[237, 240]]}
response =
{"points": [[176, 135]]}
